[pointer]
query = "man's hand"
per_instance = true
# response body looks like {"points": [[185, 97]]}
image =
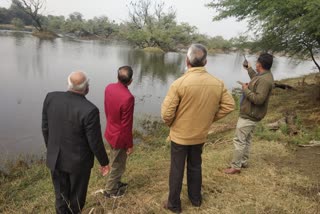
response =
{"points": [[129, 151], [246, 64], [245, 86], [104, 170]]}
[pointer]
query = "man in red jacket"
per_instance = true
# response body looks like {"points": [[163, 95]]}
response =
{"points": [[119, 106]]}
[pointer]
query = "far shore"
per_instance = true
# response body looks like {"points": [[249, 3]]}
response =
{"points": [[51, 35]]}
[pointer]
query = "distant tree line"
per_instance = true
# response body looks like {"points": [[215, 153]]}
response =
{"points": [[150, 24]]}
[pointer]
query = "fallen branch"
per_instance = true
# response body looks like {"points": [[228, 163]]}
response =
{"points": [[276, 125], [288, 120], [312, 143], [283, 86]]}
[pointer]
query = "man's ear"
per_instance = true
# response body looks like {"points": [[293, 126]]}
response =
{"points": [[86, 91], [188, 62], [205, 62], [129, 82]]}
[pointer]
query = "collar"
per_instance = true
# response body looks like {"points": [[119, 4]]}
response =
{"points": [[196, 70], [263, 73], [122, 85], [75, 93]]}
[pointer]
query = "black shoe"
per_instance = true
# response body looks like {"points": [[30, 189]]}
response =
{"points": [[165, 206], [120, 193], [196, 203], [122, 185], [245, 166]]}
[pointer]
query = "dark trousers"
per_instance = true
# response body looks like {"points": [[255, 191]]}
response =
{"points": [[70, 190], [179, 155]]}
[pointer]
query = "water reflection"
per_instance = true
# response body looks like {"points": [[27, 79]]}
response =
{"points": [[156, 66], [19, 38]]}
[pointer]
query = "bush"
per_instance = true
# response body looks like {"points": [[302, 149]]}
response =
{"points": [[18, 23]]}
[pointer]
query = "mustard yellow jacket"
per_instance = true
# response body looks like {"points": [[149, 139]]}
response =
{"points": [[193, 103]]}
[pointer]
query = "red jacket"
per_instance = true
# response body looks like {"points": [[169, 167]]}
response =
{"points": [[118, 106]]}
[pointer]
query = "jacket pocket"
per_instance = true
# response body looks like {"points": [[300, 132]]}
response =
{"points": [[245, 108], [258, 112]]}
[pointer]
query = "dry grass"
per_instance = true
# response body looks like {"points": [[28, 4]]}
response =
{"points": [[277, 180], [262, 188], [45, 34], [153, 50]]}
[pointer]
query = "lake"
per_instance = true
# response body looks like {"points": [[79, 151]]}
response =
{"points": [[31, 67]]}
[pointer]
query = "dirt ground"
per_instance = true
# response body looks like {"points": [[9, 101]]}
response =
{"points": [[306, 162]]}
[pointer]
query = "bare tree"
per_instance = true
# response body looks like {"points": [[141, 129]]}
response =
{"points": [[139, 13], [146, 13], [33, 8], [158, 10]]}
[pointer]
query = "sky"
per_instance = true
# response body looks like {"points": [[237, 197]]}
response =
{"points": [[193, 12]]}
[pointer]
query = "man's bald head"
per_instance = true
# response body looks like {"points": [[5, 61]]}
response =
{"points": [[78, 82], [125, 75]]}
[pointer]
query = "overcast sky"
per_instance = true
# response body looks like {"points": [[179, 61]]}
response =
{"points": [[190, 11]]}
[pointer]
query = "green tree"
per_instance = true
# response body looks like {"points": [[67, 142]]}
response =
{"points": [[16, 11], [18, 23], [102, 26], [75, 24], [243, 42], [218, 42], [289, 26], [5, 16], [152, 24], [55, 23]]}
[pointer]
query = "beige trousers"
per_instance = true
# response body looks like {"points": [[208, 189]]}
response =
{"points": [[241, 142]]}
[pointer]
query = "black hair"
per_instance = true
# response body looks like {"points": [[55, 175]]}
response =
{"points": [[125, 77], [265, 60]]}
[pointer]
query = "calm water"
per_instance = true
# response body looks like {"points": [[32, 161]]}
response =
{"points": [[31, 67]]}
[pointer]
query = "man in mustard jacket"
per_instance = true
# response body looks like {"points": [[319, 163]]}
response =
{"points": [[193, 103]]}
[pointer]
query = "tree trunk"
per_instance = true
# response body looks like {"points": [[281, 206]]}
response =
{"points": [[37, 24], [313, 59]]}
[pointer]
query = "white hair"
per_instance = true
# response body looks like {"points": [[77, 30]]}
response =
{"points": [[80, 87], [197, 55]]}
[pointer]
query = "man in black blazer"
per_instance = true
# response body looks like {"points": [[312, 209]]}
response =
{"points": [[72, 134]]}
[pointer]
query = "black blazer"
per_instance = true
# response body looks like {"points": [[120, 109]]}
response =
{"points": [[72, 132]]}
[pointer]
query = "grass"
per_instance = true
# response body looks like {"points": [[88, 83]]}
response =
{"points": [[153, 50], [45, 34], [39, 34], [304, 102], [278, 179], [12, 27]]}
